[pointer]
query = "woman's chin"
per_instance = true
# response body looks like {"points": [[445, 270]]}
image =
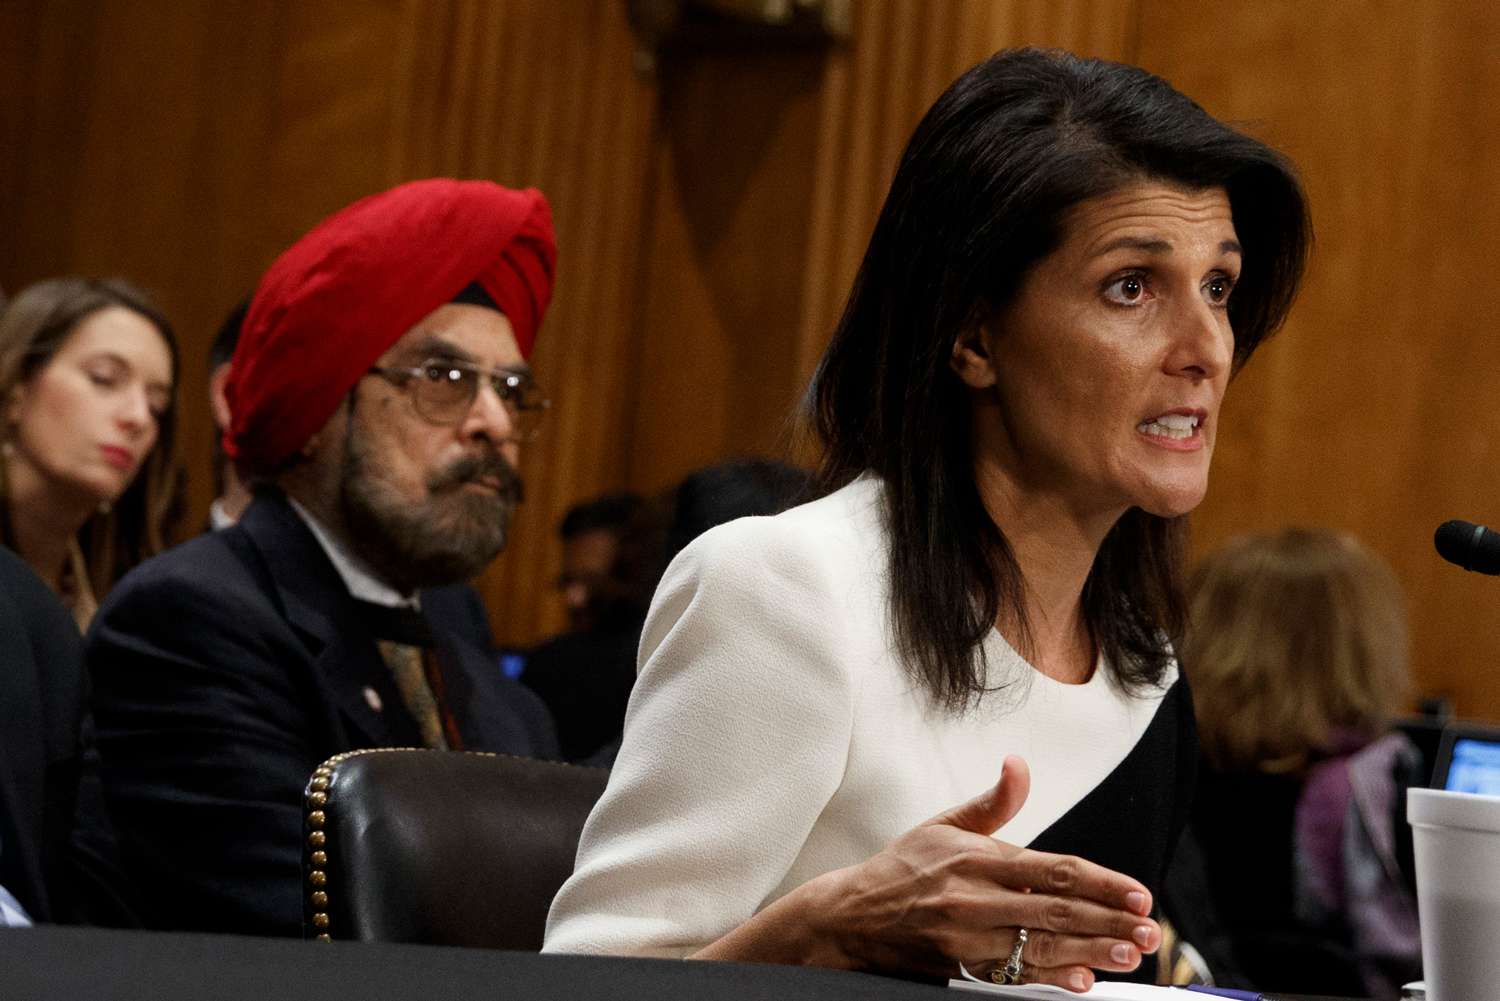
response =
{"points": [[1174, 502], [97, 492]]}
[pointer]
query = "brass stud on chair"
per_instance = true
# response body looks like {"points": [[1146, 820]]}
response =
{"points": [[317, 839], [317, 800]]}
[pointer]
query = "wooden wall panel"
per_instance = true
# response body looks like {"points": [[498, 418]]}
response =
{"points": [[770, 173], [711, 217], [1375, 410], [723, 266]]}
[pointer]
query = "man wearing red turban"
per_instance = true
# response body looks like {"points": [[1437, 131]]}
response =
{"points": [[379, 396]]}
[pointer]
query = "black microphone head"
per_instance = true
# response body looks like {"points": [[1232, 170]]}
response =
{"points": [[1470, 546]]}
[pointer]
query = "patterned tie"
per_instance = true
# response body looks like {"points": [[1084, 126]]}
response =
{"points": [[409, 668], [407, 647]]}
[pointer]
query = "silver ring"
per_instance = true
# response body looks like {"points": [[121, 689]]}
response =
{"points": [[1010, 973]]}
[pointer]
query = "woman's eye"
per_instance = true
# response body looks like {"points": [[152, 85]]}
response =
{"points": [[1218, 288], [1126, 290], [104, 380]]}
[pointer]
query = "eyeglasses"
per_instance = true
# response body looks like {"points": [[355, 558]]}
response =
{"points": [[443, 392]]}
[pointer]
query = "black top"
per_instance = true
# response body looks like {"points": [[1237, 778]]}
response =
{"points": [[585, 678], [1245, 825], [57, 848], [1144, 803]]}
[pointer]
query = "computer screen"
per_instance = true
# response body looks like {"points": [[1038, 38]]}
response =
{"points": [[1475, 766]]}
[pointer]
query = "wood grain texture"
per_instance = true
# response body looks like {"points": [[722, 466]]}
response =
{"points": [[1375, 411], [711, 217], [771, 169]]}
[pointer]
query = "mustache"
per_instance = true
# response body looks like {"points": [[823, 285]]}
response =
{"points": [[484, 466]]}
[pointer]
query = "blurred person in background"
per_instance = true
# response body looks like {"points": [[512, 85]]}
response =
{"points": [[1297, 651], [590, 534], [586, 676], [87, 375], [740, 488]]}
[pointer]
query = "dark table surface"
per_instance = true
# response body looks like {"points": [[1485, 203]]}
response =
{"points": [[83, 964]]}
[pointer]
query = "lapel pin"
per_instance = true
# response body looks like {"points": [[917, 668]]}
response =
{"points": [[372, 697]]}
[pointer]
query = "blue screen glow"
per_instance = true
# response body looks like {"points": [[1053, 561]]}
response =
{"points": [[1475, 767]]}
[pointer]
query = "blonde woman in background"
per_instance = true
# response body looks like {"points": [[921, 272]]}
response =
{"points": [[1297, 655], [87, 375]]}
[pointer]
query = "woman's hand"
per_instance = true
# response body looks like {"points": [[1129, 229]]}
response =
{"points": [[947, 892]]}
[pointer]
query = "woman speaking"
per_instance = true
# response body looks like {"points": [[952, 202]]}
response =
{"points": [[1018, 407]]}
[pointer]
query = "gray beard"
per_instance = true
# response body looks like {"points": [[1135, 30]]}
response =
{"points": [[448, 538]]}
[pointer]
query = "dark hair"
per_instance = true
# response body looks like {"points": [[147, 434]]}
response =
{"points": [[612, 512], [662, 526], [228, 336], [740, 488], [980, 196], [35, 325]]}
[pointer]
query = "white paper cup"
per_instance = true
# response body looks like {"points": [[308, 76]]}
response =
{"points": [[1457, 840]]}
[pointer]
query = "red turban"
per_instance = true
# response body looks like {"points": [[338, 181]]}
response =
{"points": [[342, 295]]}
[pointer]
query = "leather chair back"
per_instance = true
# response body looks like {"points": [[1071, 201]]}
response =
{"points": [[439, 847]]}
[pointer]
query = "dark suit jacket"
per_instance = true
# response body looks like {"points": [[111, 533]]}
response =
{"points": [[456, 610], [57, 849], [453, 610], [585, 678], [225, 671]]}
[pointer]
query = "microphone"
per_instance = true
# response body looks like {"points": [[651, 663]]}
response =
{"points": [[1471, 546]]}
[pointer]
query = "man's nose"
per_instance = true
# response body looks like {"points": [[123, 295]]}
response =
{"points": [[490, 418]]}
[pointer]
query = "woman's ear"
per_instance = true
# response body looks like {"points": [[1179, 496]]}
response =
{"points": [[972, 359], [217, 400]]}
